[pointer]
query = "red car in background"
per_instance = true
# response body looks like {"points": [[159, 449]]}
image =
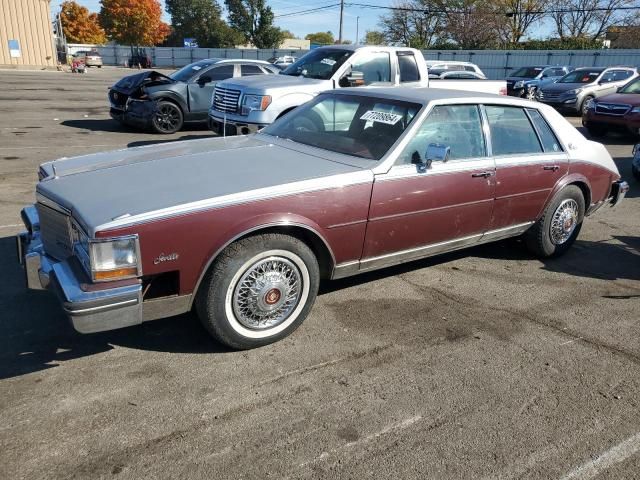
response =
{"points": [[616, 112]]}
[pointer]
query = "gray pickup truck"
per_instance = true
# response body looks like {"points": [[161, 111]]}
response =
{"points": [[245, 105]]}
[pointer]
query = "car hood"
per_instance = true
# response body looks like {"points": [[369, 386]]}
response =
{"points": [[110, 189], [129, 84], [563, 87], [632, 99], [261, 83], [518, 79]]}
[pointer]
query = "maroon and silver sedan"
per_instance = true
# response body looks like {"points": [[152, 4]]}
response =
{"points": [[243, 229], [616, 112]]}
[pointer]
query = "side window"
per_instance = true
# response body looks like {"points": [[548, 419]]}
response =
{"points": [[559, 72], [456, 126], [248, 70], [408, 67], [469, 68], [549, 140], [220, 73], [622, 75], [608, 76], [511, 131], [375, 66]]}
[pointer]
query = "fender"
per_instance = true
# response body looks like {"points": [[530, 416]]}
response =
{"points": [[563, 182], [254, 224], [169, 95], [291, 100]]}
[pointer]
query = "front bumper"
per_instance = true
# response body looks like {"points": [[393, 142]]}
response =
{"points": [[626, 123], [90, 307], [563, 103], [618, 191], [223, 126], [136, 114]]}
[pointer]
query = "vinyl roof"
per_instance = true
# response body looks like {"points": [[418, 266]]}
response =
{"points": [[424, 94]]}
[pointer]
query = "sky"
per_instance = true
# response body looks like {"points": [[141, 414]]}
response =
{"points": [[324, 20], [300, 25]]}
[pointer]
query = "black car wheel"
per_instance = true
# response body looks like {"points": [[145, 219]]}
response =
{"points": [[167, 118]]}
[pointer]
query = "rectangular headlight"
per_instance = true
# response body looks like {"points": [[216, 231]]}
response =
{"points": [[255, 102], [115, 258]]}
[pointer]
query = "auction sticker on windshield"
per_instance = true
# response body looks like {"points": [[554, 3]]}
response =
{"points": [[381, 117]]}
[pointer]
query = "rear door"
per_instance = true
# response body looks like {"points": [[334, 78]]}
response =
{"points": [[529, 162], [200, 91]]}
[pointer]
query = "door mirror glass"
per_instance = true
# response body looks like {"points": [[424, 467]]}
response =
{"points": [[438, 152]]}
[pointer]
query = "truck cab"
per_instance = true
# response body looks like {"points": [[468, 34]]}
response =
{"points": [[245, 105]]}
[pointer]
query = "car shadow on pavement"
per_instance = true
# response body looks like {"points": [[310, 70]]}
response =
{"points": [[142, 143], [97, 125], [35, 334]]}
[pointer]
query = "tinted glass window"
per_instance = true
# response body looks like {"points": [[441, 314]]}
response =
{"points": [[456, 126], [558, 72], [580, 76], [185, 73], [250, 70], [221, 73], [511, 131], [549, 140], [527, 72], [408, 68], [469, 68], [609, 76], [632, 87], [355, 125], [320, 64], [375, 66], [622, 75]]}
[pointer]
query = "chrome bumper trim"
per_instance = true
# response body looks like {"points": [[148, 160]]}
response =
{"points": [[618, 191]]}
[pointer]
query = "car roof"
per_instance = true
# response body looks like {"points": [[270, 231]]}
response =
{"points": [[592, 69], [426, 95]]}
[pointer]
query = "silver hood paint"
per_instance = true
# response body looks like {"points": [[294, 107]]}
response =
{"points": [[271, 83], [123, 187]]}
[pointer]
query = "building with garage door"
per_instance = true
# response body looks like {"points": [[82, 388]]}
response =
{"points": [[26, 37]]}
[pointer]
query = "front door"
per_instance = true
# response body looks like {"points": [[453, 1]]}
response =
{"points": [[202, 87], [415, 214], [529, 163]]}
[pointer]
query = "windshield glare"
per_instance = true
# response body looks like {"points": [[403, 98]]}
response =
{"points": [[580, 76], [527, 72], [631, 87], [355, 125], [185, 73], [320, 64]]}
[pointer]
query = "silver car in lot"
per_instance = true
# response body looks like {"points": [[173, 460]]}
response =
{"points": [[574, 91]]}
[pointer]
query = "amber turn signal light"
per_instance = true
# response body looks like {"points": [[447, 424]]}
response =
{"points": [[116, 274]]}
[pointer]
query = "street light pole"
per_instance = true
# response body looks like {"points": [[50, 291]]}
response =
{"points": [[341, 13], [357, 29]]}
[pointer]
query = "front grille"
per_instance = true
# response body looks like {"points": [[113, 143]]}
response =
{"points": [[550, 95], [226, 100], [55, 231], [612, 109], [117, 99]]}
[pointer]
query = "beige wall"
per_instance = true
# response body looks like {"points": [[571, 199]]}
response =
{"points": [[29, 22]]}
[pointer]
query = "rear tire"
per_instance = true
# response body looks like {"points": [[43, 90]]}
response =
{"points": [[258, 291], [558, 227]]}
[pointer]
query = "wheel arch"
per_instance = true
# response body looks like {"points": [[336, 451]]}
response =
{"points": [[579, 181], [171, 97], [306, 233]]}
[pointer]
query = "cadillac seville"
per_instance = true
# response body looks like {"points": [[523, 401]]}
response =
{"points": [[243, 229]]}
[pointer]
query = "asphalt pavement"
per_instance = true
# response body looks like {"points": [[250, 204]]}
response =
{"points": [[485, 363]]}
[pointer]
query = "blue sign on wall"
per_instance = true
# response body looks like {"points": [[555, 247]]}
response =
{"points": [[190, 43], [14, 48]]}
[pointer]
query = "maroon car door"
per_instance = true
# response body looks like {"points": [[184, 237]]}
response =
{"points": [[417, 211], [529, 162]]}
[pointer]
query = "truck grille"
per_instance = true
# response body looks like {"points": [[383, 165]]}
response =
{"points": [[612, 109], [226, 100], [55, 231]]}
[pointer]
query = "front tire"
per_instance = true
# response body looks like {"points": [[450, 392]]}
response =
{"points": [[259, 290], [583, 105], [554, 233], [167, 118]]}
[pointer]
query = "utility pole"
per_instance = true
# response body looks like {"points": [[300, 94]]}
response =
{"points": [[357, 29], [341, 12]]}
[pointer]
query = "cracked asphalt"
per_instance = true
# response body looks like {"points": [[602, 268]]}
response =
{"points": [[484, 363]]}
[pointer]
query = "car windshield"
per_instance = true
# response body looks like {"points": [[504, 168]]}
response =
{"points": [[580, 76], [185, 73], [320, 64], [631, 87], [527, 72], [361, 126]]}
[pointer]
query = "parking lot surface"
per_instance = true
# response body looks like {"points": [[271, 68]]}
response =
{"points": [[485, 363]]}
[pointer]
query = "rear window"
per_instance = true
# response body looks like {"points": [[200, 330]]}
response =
{"points": [[408, 68], [549, 140]]}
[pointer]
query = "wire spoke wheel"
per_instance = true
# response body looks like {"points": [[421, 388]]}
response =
{"points": [[267, 293], [564, 221]]}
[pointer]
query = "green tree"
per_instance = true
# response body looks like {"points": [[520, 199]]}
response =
{"points": [[373, 37], [288, 34], [323, 38], [200, 19], [254, 20]]}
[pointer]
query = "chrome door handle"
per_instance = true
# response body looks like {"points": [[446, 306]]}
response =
{"points": [[551, 167], [482, 174]]}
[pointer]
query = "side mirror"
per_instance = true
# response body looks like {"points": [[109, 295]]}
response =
{"points": [[355, 78], [204, 79], [435, 152]]}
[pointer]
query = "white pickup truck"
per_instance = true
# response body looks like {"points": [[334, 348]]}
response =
{"points": [[245, 105]]}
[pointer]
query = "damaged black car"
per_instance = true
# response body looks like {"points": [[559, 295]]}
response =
{"points": [[164, 103]]}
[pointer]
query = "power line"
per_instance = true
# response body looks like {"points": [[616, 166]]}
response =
{"points": [[306, 12]]}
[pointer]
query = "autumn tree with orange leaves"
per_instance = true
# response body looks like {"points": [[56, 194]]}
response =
{"points": [[80, 26], [134, 22]]}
